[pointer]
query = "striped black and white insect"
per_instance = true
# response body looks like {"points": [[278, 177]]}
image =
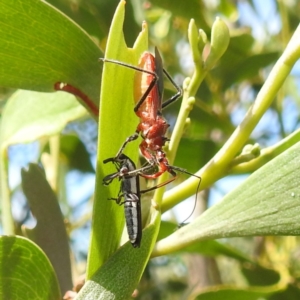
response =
{"points": [[130, 191]]}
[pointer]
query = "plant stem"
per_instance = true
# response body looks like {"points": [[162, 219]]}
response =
{"points": [[267, 154], [217, 167]]}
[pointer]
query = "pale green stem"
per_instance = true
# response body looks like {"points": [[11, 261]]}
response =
{"points": [[267, 154], [189, 89], [217, 167]]}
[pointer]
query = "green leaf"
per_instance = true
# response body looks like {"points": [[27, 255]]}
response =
{"points": [[194, 9], [26, 272], [259, 276], [29, 116], [292, 292], [95, 16], [265, 204], [50, 232], [75, 152], [117, 121], [255, 273], [40, 46], [120, 275], [221, 293], [207, 248], [239, 62]]}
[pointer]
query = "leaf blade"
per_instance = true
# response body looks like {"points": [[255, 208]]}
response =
{"points": [[265, 204], [117, 121], [21, 264], [30, 115], [40, 46]]}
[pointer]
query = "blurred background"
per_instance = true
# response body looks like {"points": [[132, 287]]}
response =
{"points": [[259, 32]]}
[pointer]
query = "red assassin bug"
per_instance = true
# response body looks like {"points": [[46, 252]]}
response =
{"points": [[152, 126]]}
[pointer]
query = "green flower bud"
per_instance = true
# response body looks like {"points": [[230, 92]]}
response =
{"points": [[197, 42], [219, 42]]}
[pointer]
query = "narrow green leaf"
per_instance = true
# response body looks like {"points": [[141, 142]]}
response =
{"points": [[221, 293], [26, 272], [255, 273], [40, 46], [75, 152], [50, 232], [121, 273], [267, 203], [117, 121]]}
